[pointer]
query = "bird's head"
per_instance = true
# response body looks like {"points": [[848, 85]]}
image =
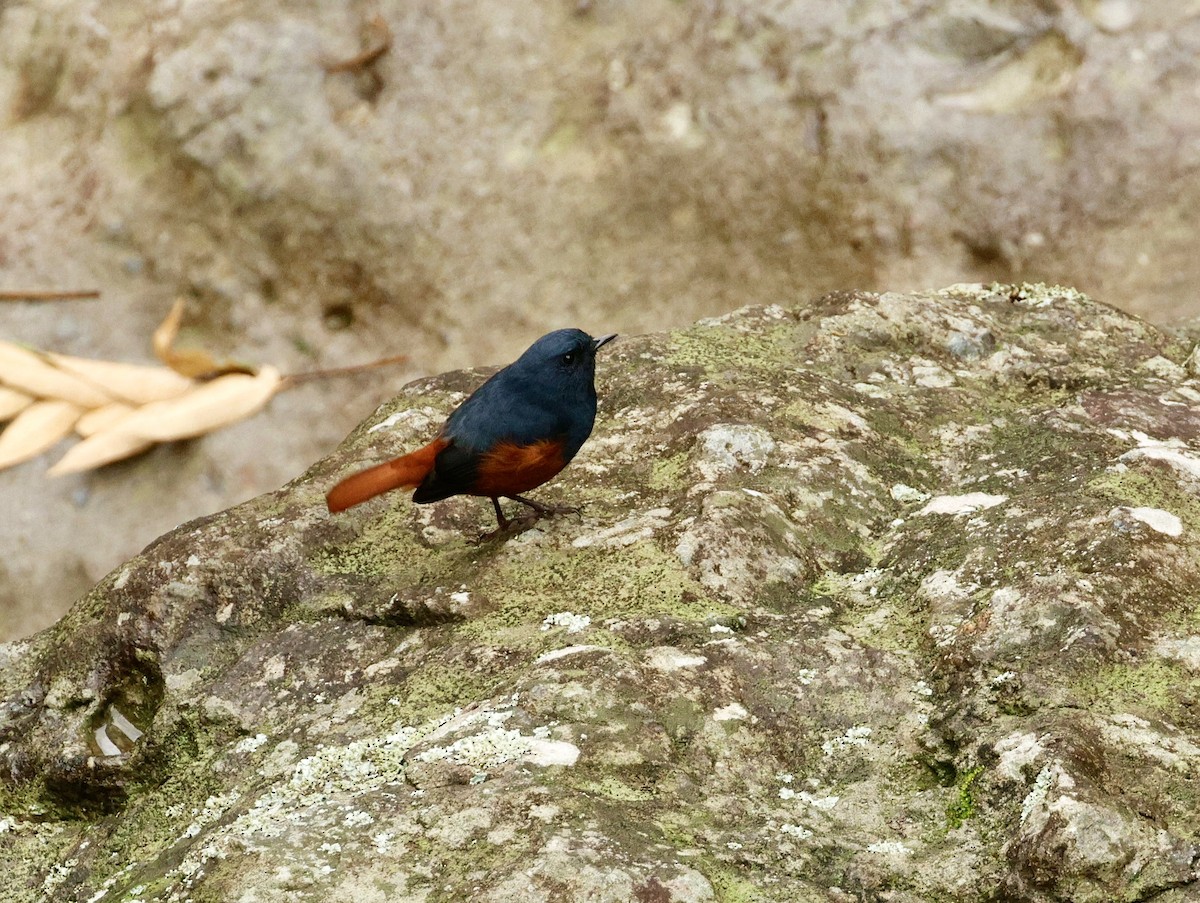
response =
{"points": [[564, 357]]}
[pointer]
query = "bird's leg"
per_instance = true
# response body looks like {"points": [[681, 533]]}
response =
{"points": [[538, 510], [503, 523], [543, 510], [500, 518]]}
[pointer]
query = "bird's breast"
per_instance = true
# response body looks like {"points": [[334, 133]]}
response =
{"points": [[510, 469]]}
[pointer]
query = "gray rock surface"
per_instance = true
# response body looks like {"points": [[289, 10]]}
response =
{"points": [[890, 597], [512, 167]]}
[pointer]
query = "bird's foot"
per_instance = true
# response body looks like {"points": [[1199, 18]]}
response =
{"points": [[545, 510], [489, 536], [509, 525]]}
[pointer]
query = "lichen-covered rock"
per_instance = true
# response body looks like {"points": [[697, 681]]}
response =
{"points": [[891, 597], [508, 167]]}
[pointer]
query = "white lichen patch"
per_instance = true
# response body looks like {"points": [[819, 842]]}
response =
{"points": [[906, 495], [214, 807], [1185, 650], [1139, 738], [943, 635], [316, 790], [556, 654], [796, 832], [889, 848], [250, 744], [821, 803], [273, 668], [1052, 776], [729, 447], [854, 737], [929, 375], [383, 666], [626, 532], [1155, 518], [669, 658], [1017, 751], [944, 585], [353, 768], [735, 711], [962, 504], [547, 753], [357, 818], [1170, 451], [58, 874], [1163, 368], [489, 749], [569, 621], [415, 419]]}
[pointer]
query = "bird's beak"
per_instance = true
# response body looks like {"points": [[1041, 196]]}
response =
{"points": [[603, 340]]}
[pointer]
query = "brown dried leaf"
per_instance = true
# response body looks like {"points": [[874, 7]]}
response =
{"points": [[98, 450], [12, 403], [207, 407], [28, 372], [36, 429], [192, 363], [98, 420], [133, 383]]}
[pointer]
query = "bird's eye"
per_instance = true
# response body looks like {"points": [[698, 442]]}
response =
{"points": [[569, 358]]}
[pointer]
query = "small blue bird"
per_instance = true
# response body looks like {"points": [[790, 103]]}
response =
{"points": [[514, 433]]}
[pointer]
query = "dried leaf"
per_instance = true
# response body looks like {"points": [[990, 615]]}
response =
{"points": [[28, 372], [36, 429], [98, 450], [192, 363], [133, 383], [207, 407], [12, 403], [98, 420]]}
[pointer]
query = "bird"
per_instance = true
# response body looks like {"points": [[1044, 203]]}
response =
{"points": [[512, 434]]}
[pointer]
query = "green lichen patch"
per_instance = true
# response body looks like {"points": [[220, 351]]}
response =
{"points": [[962, 804], [1156, 686], [614, 789], [629, 582], [1150, 486], [668, 474], [442, 686], [388, 547], [719, 349], [731, 886]]}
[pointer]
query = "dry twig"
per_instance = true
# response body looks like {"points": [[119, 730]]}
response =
{"points": [[362, 60], [80, 295]]}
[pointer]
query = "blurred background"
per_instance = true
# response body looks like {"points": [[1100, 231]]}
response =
{"points": [[332, 182]]}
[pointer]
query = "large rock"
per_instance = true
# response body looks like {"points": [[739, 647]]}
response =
{"points": [[892, 597], [510, 167]]}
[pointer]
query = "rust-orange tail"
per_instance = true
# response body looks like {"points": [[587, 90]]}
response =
{"points": [[407, 471]]}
